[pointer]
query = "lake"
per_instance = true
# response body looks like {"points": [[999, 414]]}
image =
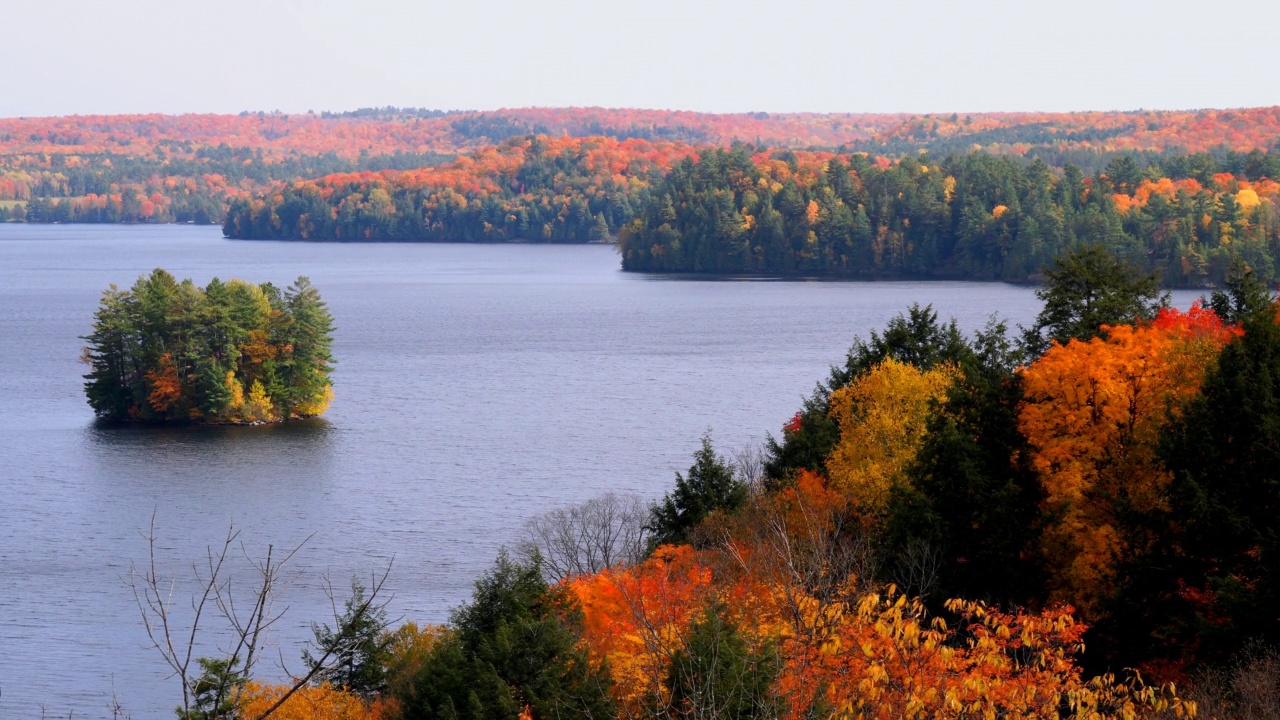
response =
{"points": [[477, 385]]}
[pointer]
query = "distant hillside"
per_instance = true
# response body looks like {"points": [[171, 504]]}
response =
{"points": [[388, 131], [186, 168]]}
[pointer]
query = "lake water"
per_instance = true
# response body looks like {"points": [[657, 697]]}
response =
{"points": [[477, 385]]}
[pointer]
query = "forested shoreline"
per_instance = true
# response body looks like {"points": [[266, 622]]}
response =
{"points": [[181, 184], [973, 216], [743, 211], [526, 189]]}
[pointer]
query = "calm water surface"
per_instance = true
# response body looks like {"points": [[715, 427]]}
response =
{"points": [[476, 386]]}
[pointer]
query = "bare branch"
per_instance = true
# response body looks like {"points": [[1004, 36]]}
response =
{"points": [[606, 531], [153, 595], [918, 568], [363, 609], [748, 464]]}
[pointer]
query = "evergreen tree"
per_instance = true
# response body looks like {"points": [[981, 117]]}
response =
{"points": [[710, 486], [304, 370], [1243, 297], [1224, 454], [512, 647], [1089, 288], [972, 490], [215, 691], [358, 661], [600, 230], [112, 355], [917, 339], [716, 675]]}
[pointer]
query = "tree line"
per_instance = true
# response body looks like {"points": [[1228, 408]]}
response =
{"points": [[676, 208], [179, 183], [975, 215], [533, 189], [156, 168]]}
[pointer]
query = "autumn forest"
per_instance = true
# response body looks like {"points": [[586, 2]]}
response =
{"points": [[1074, 519], [983, 196]]}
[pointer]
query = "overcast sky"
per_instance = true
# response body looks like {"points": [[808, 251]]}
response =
{"points": [[173, 56]]}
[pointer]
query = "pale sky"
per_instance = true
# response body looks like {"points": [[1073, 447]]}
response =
{"points": [[174, 56]]}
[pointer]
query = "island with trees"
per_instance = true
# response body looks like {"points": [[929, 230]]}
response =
{"points": [[231, 352]]}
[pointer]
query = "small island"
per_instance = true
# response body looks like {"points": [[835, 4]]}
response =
{"points": [[231, 352]]}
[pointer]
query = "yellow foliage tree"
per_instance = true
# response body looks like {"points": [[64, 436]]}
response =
{"points": [[235, 406], [879, 656], [259, 407], [236, 390], [1248, 199], [882, 418], [315, 406], [408, 648]]}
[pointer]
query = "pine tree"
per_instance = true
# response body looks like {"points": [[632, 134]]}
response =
{"points": [[1224, 453], [360, 653], [112, 356], [716, 675], [600, 229], [511, 648], [1244, 295], [710, 486], [1089, 288], [305, 369]]}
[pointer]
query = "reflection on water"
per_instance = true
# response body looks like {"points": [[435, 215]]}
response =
{"points": [[210, 461], [302, 437]]}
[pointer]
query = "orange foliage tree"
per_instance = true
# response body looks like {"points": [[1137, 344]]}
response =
{"points": [[166, 387], [636, 619], [784, 573], [1092, 414]]}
